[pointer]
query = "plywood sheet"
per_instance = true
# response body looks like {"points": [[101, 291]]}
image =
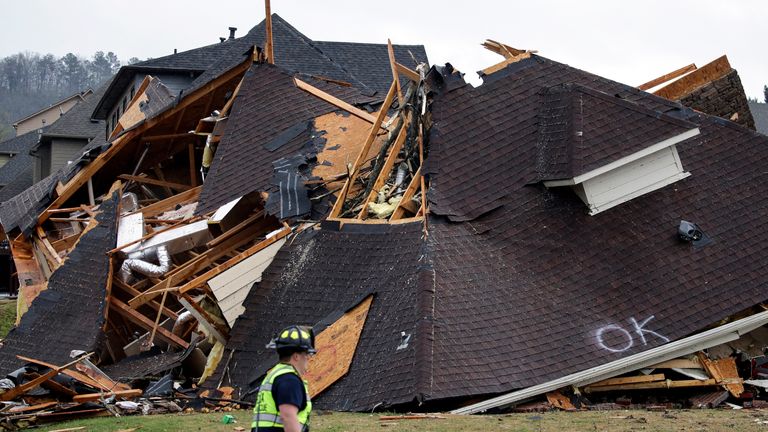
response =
{"points": [[724, 371], [336, 347], [345, 136], [232, 286]]}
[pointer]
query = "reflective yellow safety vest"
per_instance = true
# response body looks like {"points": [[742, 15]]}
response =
{"points": [[266, 413]]}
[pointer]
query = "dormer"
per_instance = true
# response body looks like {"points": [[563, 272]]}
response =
{"points": [[608, 150]]}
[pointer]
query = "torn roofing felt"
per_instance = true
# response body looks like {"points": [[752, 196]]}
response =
{"points": [[270, 120], [581, 129], [525, 287], [330, 272], [69, 315]]}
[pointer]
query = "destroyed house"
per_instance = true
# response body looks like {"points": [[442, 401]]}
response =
{"points": [[447, 243], [515, 283]]}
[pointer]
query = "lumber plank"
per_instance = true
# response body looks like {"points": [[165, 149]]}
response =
{"points": [[333, 100], [408, 72], [386, 170], [364, 151], [667, 384], [160, 207], [506, 62], [204, 260], [698, 78], [156, 182], [205, 277], [66, 243], [629, 380], [125, 394], [145, 323], [413, 186], [501, 49], [395, 75], [204, 318], [677, 363], [83, 378], [92, 168], [268, 45], [667, 77], [13, 393], [235, 229]]}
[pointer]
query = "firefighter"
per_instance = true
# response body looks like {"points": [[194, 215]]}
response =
{"points": [[283, 403]]}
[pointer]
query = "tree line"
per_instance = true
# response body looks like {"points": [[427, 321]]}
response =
{"points": [[30, 81]]}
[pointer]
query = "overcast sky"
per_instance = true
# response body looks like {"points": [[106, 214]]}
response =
{"points": [[628, 41]]}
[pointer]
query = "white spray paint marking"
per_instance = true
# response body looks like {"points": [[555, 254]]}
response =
{"points": [[638, 328]]}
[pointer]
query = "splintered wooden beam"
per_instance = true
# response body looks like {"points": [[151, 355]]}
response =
{"points": [[147, 180], [506, 62], [153, 304], [666, 384], [364, 151], [501, 49], [395, 75], [145, 323], [700, 77], [666, 77], [408, 72], [333, 100], [205, 277], [169, 203], [85, 379], [203, 261], [204, 318], [386, 170], [413, 186], [13, 393], [268, 45], [88, 171], [123, 394], [629, 380]]}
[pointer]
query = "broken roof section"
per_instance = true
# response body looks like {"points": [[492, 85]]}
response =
{"points": [[516, 284]]}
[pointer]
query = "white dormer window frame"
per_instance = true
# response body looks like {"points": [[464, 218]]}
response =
{"points": [[627, 178]]}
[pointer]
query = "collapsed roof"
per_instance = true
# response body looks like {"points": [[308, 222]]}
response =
{"points": [[515, 269]]}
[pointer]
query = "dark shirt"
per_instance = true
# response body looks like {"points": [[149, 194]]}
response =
{"points": [[287, 389]]}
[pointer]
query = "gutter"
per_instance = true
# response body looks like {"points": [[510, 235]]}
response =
{"points": [[716, 336]]}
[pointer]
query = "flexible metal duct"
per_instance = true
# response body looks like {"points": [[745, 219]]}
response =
{"points": [[181, 323], [137, 262]]}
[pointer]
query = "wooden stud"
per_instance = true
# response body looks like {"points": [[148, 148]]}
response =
{"points": [[677, 363], [696, 79], [204, 318], [69, 372], [236, 229], [192, 166], [408, 72], [13, 393], [413, 186], [506, 62], [386, 169], [205, 277], [228, 105], [395, 75], [157, 322], [89, 170], [364, 151], [145, 323], [629, 380], [268, 45], [148, 180], [501, 49], [171, 202], [124, 394], [666, 77], [153, 304], [667, 384], [333, 100]]}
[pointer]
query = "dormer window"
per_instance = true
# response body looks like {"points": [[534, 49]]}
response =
{"points": [[607, 149]]}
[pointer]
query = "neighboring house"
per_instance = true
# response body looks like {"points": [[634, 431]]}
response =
{"points": [[16, 162], [63, 141], [50, 114], [760, 114], [185, 71]]}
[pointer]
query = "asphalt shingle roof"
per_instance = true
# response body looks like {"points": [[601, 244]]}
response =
{"points": [[517, 284], [21, 163]]}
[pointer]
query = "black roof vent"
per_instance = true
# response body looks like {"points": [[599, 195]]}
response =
{"points": [[232, 31], [691, 233]]}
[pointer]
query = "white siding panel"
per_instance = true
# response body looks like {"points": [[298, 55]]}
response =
{"points": [[231, 287]]}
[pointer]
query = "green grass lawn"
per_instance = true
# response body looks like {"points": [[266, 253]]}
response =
{"points": [[7, 316], [682, 420]]}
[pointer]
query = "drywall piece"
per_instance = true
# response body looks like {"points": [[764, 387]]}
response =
{"points": [[336, 347], [232, 286], [131, 228]]}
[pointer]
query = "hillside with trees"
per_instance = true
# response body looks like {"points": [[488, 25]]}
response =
{"points": [[32, 81]]}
